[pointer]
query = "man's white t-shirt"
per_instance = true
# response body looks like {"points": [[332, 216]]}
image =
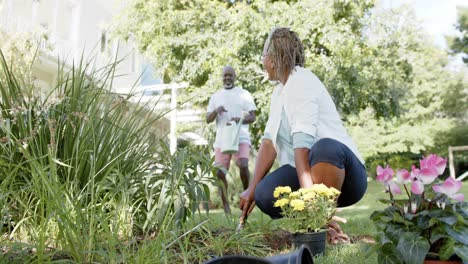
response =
{"points": [[237, 102]]}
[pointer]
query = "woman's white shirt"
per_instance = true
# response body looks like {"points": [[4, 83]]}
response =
{"points": [[309, 109]]}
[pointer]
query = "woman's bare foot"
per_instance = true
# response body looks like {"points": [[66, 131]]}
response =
{"points": [[335, 234]]}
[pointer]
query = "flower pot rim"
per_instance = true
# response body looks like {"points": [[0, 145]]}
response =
{"points": [[310, 232]]}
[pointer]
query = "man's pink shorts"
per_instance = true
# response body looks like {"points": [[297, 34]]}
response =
{"points": [[225, 159]]}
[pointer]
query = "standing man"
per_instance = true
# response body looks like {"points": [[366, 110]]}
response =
{"points": [[229, 104]]}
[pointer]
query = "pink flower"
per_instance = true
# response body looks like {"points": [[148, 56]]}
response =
{"points": [[417, 187], [394, 188], [431, 167], [450, 188], [414, 173], [403, 176], [384, 176], [428, 175], [434, 161]]}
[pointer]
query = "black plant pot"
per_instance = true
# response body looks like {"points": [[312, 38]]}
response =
{"points": [[301, 256], [316, 241]]}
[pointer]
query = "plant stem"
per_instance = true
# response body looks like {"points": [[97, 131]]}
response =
{"points": [[406, 189], [391, 195]]}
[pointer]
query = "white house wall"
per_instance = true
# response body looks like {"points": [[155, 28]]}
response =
{"points": [[74, 29]]}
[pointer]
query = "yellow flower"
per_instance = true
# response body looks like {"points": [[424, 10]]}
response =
{"points": [[295, 194], [323, 190], [335, 191], [309, 196], [298, 205], [319, 188], [305, 190], [281, 189], [281, 202]]}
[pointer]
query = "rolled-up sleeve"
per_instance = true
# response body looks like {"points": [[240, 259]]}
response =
{"points": [[266, 135], [303, 140], [211, 105]]}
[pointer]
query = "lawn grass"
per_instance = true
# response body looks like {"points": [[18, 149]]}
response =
{"points": [[358, 225]]}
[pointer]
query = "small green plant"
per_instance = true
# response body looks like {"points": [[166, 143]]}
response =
{"points": [[306, 210]]}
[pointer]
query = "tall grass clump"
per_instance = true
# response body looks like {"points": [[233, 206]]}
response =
{"points": [[82, 175]]}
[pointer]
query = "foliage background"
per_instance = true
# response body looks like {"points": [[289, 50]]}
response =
{"points": [[389, 82]]}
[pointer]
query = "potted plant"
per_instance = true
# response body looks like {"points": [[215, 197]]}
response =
{"points": [[307, 213], [426, 219]]}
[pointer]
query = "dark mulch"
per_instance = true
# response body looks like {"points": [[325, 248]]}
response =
{"points": [[278, 240]]}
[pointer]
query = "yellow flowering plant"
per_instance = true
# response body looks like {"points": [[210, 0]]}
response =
{"points": [[306, 210]]}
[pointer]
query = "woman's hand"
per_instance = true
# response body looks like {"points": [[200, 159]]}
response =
{"points": [[246, 203], [265, 158]]}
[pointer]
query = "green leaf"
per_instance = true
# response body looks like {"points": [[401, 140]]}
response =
{"points": [[373, 249], [413, 248], [447, 249], [450, 220], [61, 163], [398, 218], [381, 217], [437, 233], [385, 201], [433, 221], [462, 252], [458, 233], [389, 255], [423, 222], [394, 232]]}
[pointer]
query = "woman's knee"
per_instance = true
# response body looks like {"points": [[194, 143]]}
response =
{"points": [[265, 202], [262, 197]]}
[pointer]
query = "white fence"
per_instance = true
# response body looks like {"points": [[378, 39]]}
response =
{"points": [[164, 101]]}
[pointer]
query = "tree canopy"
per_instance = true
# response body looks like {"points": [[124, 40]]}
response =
{"points": [[459, 44], [378, 65]]}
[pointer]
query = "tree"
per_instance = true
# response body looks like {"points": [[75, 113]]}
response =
{"points": [[460, 44], [377, 65], [192, 40], [434, 104]]}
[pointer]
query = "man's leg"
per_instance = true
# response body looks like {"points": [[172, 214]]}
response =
{"points": [[223, 160], [242, 161], [223, 191], [243, 165]]}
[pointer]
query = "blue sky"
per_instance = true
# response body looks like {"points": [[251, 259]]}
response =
{"points": [[437, 16]]}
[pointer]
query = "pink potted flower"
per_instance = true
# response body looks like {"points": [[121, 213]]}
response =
{"points": [[427, 217]]}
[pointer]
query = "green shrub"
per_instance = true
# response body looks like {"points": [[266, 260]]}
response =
{"points": [[82, 173]]}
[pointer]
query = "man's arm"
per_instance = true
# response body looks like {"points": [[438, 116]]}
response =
{"points": [[249, 118], [211, 116]]}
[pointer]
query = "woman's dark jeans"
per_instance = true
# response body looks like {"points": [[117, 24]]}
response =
{"points": [[325, 150]]}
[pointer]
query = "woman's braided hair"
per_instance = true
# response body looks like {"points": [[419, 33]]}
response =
{"points": [[285, 49]]}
